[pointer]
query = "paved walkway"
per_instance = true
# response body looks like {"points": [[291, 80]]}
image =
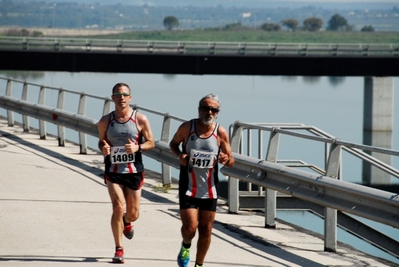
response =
{"points": [[55, 211]]}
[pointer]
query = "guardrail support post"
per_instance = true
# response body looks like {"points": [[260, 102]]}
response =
{"points": [[249, 154], [330, 215], [25, 118], [260, 154], [165, 136], [60, 129], [82, 136], [42, 123], [233, 183], [10, 114], [270, 195], [107, 106]]}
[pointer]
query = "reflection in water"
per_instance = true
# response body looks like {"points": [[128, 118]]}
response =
{"points": [[169, 77], [32, 75], [335, 80], [289, 78], [311, 79], [23, 75]]}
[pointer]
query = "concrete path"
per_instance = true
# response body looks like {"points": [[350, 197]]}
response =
{"points": [[55, 211]]}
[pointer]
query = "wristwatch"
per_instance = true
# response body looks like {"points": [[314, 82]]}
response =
{"points": [[140, 148]]}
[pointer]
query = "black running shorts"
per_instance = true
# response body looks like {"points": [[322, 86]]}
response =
{"points": [[187, 202], [133, 181]]}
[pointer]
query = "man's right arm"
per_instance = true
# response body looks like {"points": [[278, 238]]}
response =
{"points": [[174, 145], [178, 139]]}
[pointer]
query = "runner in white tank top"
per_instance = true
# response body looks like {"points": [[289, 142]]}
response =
{"points": [[123, 135], [204, 144], [117, 136], [203, 153]]}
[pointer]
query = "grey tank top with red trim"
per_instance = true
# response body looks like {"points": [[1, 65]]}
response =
{"points": [[204, 152], [117, 135]]}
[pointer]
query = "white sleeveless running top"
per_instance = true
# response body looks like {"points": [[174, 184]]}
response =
{"points": [[117, 136], [205, 153]]}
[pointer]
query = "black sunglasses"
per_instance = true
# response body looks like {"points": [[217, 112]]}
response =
{"points": [[207, 109]]}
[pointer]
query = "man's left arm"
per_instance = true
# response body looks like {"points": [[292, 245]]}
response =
{"points": [[146, 132]]}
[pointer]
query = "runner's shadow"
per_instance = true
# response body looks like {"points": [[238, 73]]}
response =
{"points": [[253, 242], [58, 156], [260, 244], [68, 259]]}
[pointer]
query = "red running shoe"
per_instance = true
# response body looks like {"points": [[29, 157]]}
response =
{"points": [[128, 231], [118, 257]]}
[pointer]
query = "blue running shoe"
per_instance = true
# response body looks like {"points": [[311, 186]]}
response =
{"points": [[183, 259]]}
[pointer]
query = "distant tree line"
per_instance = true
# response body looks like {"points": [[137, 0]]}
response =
{"points": [[335, 23], [23, 32]]}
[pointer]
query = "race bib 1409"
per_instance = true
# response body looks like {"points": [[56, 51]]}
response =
{"points": [[119, 155]]}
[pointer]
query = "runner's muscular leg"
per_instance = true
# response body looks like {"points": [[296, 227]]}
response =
{"points": [[189, 219], [133, 198], [116, 194], [205, 225]]}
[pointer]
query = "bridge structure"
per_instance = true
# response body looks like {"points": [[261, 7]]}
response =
{"points": [[199, 58]]}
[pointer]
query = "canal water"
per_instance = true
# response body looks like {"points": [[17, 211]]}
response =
{"points": [[332, 104]]}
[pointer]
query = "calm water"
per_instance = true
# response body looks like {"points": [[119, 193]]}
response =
{"points": [[334, 105]]}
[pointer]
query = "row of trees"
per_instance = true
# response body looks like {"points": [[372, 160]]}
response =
{"points": [[23, 32], [336, 23]]}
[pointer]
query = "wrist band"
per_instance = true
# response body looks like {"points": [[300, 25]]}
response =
{"points": [[178, 157]]}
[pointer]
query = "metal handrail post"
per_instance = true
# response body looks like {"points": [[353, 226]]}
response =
{"points": [[270, 195], [82, 136], [25, 118], [42, 123], [249, 154], [165, 137], [60, 129], [260, 154], [330, 215], [10, 114], [107, 106], [233, 183]]}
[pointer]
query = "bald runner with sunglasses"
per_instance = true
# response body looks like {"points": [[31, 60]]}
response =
{"points": [[204, 144], [123, 135]]}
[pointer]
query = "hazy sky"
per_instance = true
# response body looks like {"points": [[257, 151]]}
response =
{"points": [[342, 1], [242, 3], [223, 1]]}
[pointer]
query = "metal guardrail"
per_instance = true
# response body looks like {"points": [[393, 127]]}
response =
{"points": [[191, 47], [283, 178], [321, 189]]}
